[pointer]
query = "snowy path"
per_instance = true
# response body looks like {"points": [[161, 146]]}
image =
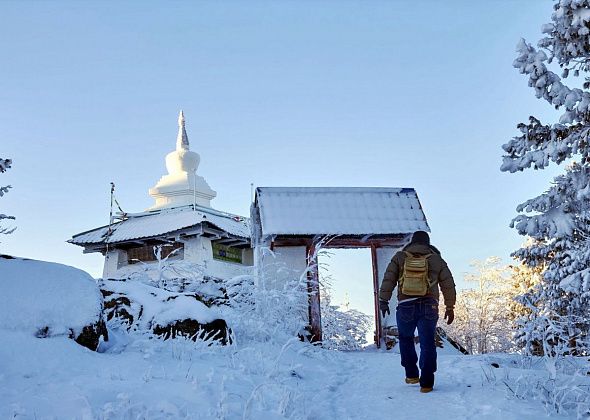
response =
{"points": [[55, 378], [370, 385], [376, 387]]}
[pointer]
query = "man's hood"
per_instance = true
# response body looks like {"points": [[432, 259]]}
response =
{"points": [[421, 249]]}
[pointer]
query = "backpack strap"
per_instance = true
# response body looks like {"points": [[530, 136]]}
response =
{"points": [[434, 282]]}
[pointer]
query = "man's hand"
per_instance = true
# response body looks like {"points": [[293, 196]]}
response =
{"points": [[384, 307], [449, 315]]}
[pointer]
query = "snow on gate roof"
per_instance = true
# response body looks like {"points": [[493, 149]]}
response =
{"points": [[155, 223], [334, 210]]}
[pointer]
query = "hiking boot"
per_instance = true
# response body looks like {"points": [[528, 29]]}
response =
{"points": [[412, 381], [425, 389]]}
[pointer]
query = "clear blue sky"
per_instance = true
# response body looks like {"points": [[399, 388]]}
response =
{"points": [[419, 94]]}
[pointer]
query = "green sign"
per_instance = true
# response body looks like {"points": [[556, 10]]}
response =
{"points": [[227, 253]]}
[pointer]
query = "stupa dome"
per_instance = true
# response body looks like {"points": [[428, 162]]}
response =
{"points": [[182, 161]]}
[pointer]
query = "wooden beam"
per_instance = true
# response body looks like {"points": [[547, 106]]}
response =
{"points": [[352, 242], [278, 242], [343, 241], [241, 246], [233, 242], [313, 290], [217, 234], [378, 328], [192, 231], [90, 249], [226, 240], [238, 242]]}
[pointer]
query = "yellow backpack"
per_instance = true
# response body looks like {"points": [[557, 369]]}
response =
{"points": [[414, 279]]}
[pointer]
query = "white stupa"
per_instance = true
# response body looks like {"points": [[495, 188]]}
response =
{"points": [[182, 186], [181, 220]]}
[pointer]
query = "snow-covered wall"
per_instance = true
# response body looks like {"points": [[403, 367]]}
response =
{"points": [[114, 260], [276, 268], [384, 255], [197, 250], [281, 270], [248, 256], [227, 270]]}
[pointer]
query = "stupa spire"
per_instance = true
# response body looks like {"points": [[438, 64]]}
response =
{"points": [[182, 138], [182, 186]]}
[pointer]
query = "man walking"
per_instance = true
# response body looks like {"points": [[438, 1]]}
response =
{"points": [[418, 271]]}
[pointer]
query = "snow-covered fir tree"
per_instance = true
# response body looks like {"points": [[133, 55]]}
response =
{"points": [[5, 164], [558, 219], [524, 282]]}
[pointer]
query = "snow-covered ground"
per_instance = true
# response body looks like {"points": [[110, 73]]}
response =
{"points": [[266, 373], [153, 379]]}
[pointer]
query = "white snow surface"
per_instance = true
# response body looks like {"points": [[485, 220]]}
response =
{"points": [[260, 376], [154, 379], [335, 210], [37, 294], [160, 222]]}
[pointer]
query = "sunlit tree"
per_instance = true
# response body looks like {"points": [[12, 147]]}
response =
{"points": [[482, 316]]}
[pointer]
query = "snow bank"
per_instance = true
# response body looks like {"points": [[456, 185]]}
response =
{"points": [[155, 379], [39, 296], [176, 276], [252, 379]]}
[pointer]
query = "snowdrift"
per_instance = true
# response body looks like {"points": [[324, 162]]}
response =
{"points": [[48, 299]]}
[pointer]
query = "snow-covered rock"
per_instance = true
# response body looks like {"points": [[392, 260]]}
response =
{"points": [[214, 330], [48, 299], [177, 276], [140, 307]]}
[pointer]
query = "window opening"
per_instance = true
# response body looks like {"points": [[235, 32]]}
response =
{"points": [[146, 253]]}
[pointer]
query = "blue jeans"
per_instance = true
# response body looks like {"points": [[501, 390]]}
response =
{"points": [[423, 314]]}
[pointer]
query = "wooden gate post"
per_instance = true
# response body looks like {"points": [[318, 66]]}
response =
{"points": [[378, 329], [313, 290]]}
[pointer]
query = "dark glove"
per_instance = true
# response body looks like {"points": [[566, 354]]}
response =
{"points": [[449, 315], [384, 307]]}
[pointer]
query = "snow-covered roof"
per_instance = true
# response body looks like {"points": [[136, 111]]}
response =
{"points": [[343, 211], [160, 222]]}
